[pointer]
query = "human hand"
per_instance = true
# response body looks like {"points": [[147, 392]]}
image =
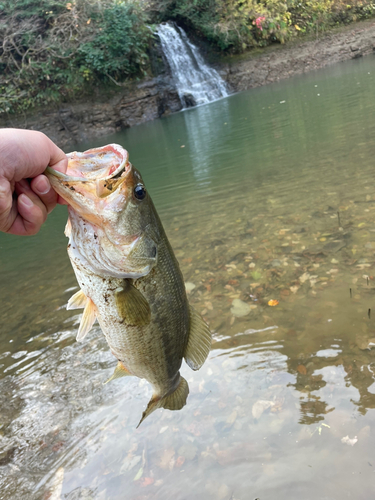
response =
{"points": [[26, 195]]}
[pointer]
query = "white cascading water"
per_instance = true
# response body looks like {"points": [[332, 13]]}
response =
{"points": [[196, 82]]}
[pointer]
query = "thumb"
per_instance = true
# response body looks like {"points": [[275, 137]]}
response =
{"points": [[6, 204]]}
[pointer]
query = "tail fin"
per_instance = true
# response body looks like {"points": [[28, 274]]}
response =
{"points": [[174, 401]]}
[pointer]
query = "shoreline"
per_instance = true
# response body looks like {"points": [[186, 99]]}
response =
{"points": [[153, 98], [277, 63]]}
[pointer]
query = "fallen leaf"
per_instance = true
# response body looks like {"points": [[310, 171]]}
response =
{"points": [[138, 475], [301, 369], [189, 286], [146, 481], [166, 459], [273, 302], [180, 461], [232, 417], [304, 277], [129, 463]]}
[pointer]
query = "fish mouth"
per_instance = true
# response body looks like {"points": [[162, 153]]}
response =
{"points": [[95, 172]]}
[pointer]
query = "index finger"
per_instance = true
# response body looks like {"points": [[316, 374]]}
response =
{"points": [[58, 159], [26, 154]]}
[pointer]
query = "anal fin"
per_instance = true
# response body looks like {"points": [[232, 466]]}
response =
{"points": [[88, 319], [77, 301], [132, 306], [120, 371], [174, 401], [199, 342]]}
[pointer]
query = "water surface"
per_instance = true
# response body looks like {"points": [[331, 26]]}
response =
{"points": [[265, 195]]}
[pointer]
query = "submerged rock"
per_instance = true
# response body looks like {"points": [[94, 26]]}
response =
{"points": [[239, 308]]}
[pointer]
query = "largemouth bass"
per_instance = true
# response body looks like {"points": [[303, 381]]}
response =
{"points": [[129, 278]]}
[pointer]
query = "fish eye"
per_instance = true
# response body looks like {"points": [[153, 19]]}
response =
{"points": [[140, 192]]}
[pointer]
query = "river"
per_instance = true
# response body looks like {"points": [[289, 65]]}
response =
{"points": [[265, 195]]}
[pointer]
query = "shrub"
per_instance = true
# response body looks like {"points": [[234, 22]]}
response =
{"points": [[54, 50], [119, 48], [235, 25]]}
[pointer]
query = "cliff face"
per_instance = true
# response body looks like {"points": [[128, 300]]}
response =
{"points": [[140, 102], [132, 105]]}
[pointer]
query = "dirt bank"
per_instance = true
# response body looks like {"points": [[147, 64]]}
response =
{"points": [[283, 61], [140, 102]]}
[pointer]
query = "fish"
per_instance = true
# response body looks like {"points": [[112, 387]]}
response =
{"points": [[129, 278]]}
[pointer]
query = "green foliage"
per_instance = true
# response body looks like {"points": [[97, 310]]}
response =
{"points": [[120, 47], [53, 50], [56, 50], [30, 8], [235, 25]]}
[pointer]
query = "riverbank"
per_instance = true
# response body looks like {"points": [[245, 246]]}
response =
{"points": [[278, 62], [139, 102]]}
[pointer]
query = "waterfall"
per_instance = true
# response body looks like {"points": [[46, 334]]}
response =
{"points": [[196, 82]]}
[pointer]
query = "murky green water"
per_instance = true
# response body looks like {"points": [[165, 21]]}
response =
{"points": [[249, 189]]}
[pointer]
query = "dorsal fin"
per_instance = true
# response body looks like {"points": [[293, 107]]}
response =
{"points": [[199, 343]]}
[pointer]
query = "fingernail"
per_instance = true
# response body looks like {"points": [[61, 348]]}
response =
{"points": [[25, 200], [42, 185]]}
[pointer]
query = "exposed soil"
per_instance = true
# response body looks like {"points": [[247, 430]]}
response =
{"points": [[140, 102], [283, 61]]}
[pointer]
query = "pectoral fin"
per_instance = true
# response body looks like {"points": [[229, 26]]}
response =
{"points": [[88, 319], [68, 229], [77, 301], [132, 306], [199, 343], [174, 401], [120, 371]]}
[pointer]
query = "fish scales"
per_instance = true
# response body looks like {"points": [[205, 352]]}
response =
{"points": [[129, 277], [137, 346]]}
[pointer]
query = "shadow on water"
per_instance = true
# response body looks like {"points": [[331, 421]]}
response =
{"points": [[266, 195]]}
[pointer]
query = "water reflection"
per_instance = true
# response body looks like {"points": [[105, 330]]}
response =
{"points": [[285, 405], [203, 139]]}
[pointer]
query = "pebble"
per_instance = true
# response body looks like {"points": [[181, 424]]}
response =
{"points": [[276, 263]]}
